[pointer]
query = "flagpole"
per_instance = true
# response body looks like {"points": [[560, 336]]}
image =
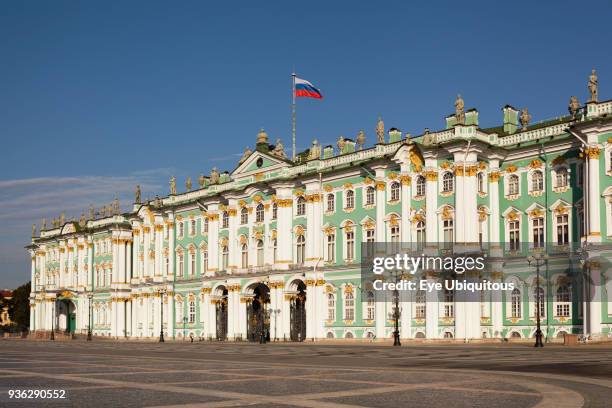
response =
{"points": [[293, 112]]}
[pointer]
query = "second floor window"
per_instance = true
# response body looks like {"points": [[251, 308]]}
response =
{"points": [[331, 202], [350, 199], [244, 216], [192, 227], [562, 229], [245, 256], [301, 206], [259, 213], [350, 245], [395, 191], [225, 220], [300, 249], [538, 232], [224, 257], [513, 185], [370, 196], [420, 186], [260, 253], [448, 182], [562, 177], [331, 247], [514, 235], [537, 181]]}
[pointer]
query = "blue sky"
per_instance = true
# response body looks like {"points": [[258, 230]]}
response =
{"points": [[97, 97]]}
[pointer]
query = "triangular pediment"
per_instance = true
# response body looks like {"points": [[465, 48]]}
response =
{"points": [[259, 162]]}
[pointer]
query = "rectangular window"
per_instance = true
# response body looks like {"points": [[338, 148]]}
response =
{"points": [[350, 245], [514, 235], [331, 248], [562, 229], [538, 232]]}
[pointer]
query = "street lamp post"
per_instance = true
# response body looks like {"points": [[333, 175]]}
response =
{"points": [[162, 292], [396, 316], [89, 334], [538, 260], [184, 327], [275, 312]]}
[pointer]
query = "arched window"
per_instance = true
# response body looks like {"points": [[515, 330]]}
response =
{"points": [[301, 206], [259, 213], [395, 191], [539, 301], [515, 303], [331, 307], [420, 234], [448, 182], [370, 306], [331, 202], [350, 245], [224, 257], [206, 225], [274, 211], [537, 181], [350, 199], [370, 195], [538, 232], [244, 216], [420, 304], [274, 250], [420, 186], [204, 261], [245, 256], [300, 249], [561, 177], [513, 185], [181, 264], [480, 179], [349, 306], [563, 301], [449, 305], [260, 252], [192, 312], [225, 219]]}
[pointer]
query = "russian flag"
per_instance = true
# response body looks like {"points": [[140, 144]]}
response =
{"points": [[306, 89]]}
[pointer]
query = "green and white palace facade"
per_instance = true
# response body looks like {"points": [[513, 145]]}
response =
{"points": [[276, 243]]}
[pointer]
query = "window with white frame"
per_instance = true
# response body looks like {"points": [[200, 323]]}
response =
{"points": [[448, 182], [204, 261], [420, 186], [300, 249], [225, 220], [480, 180], [274, 211], [515, 304], [349, 199], [192, 227], [447, 232], [350, 245], [166, 232], [244, 216], [259, 213], [449, 303], [420, 234], [181, 264], [537, 181], [181, 229], [370, 305], [331, 307], [537, 230], [561, 177], [192, 262], [370, 240], [260, 252], [206, 225], [331, 248], [395, 191], [513, 184], [192, 312], [514, 235], [420, 304], [349, 306], [180, 311], [301, 206], [331, 202], [563, 301], [370, 196], [394, 233], [245, 256], [539, 301], [562, 229], [224, 257]]}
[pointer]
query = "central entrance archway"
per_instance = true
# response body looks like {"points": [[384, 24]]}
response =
{"points": [[298, 313], [66, 311], [221, 313], [258, 314]]}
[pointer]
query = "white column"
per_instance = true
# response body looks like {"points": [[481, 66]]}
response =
{"points": [[135, 258], [284, 226], [146, 236], [405, 202], [171, 253], [406, 313], [431, 202], [595, 298], [90, 259], [234, 247], [494, 219], [33, 287], [128, 262], [432, 311], [171, 314], [380, 206], [594, 192], [496, 301], [214, 261]]}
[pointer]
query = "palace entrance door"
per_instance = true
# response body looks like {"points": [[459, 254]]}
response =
{"points": [[298, 314], [221, 315], [258, 314]]}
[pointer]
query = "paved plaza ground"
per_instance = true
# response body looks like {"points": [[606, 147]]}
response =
{"points": [[139, 374]]}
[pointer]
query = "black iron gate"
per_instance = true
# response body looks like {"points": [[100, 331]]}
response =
{"points": [[298, 317], [221, 320], [258, 322]]}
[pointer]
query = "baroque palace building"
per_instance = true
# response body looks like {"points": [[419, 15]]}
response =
{"points": [[275, 244]]}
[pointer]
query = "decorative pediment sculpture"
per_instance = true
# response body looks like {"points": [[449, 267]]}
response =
{"points": [[82, 221], [574, 106], [361, 139], [279, 149], [214, 176], [593, 86], [245, 155], [460, 109], [380, 130], [525, 118], [341, 143], [315, 150]]}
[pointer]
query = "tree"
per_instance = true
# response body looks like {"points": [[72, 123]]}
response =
{"points": [[19, 307]]}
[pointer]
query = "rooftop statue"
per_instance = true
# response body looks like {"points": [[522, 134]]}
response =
{"points": [[525, 118], [460, 109], [62, 218], [172, 185], [341, 143], [361, 139], [109, 210], [92, 213], [593, 85], [201, 181], [188, 184], [82, 221], [574, 106], [43, 224], [380, 131], [245, 155], [214, 176], [279, 149], [138, 197], [315, 151], [262, 137], [116, 206]]}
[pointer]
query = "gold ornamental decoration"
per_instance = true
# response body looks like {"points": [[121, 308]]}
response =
{"points": [[392, 176], [430, 175], [380, 185], [348, 289], [328, 188], [284, 203], [512, 215], [299, 230], [368, 181], [535, 164], [494, 176], [561, 209], [592, 153], [348, 186], [511, 169], [535, 213], [405, 180], [446, 213]]}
